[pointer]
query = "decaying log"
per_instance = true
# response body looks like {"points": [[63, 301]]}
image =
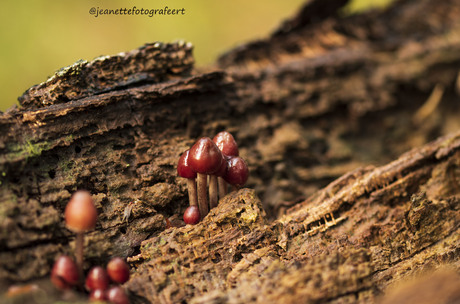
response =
{"points": [[346, 243], [151, 63], [312, 107]]}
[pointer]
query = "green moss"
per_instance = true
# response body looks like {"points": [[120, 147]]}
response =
{"points": [[27, 150], [33, 150], [66, 165], [67, 168], [71, 70], [69, 139], [162, 242]]}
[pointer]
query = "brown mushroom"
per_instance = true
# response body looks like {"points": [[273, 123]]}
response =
{"points": [[80, 216]]}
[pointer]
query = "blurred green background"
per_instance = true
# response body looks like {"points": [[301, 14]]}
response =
{"points": [[39, 37]]}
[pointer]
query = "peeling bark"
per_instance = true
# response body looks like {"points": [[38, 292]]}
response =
{"points": [[312, 107]]}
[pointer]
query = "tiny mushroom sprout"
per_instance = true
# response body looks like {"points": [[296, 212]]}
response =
{"points": [[117, 295], [227, 144], [237, 172], [97, 278], [80, 216], [205, 158], [118, 270], [64, 274], [192, 215], [98, 295]]}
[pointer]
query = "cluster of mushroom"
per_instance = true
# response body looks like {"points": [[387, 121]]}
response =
{"points": [[81, 216], [217, 159]]}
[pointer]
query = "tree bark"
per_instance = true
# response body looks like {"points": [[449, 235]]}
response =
{"points": [[312, 107]]}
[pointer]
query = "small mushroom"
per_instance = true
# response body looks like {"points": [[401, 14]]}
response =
{"points": [[98, 295], [227, 144], [80, 216], [117, 295], [192, 215], [237, 172], [64, 274], [118, 270], [97, 278], [184, 170], [205, 158]]}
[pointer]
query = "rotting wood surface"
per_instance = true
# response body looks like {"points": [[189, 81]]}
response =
{"points": [[347, 243], [324, 95]]}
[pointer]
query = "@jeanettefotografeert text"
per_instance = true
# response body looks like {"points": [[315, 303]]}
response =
{"points": [[134, 11]]}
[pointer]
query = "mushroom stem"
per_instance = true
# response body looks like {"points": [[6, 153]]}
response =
{"points": [[222, 187], [213, 191], [79, 253], [192, 196], [202, 183]]}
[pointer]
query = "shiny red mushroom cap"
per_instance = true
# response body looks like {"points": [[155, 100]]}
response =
{"points": [[64, 274], [80, 212], [223, 167], [98, 295], [205, 157], [226, 143], [97, 278], [237, 171], [117, 295], [192, 215], [183, 166], [118, 270]]}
